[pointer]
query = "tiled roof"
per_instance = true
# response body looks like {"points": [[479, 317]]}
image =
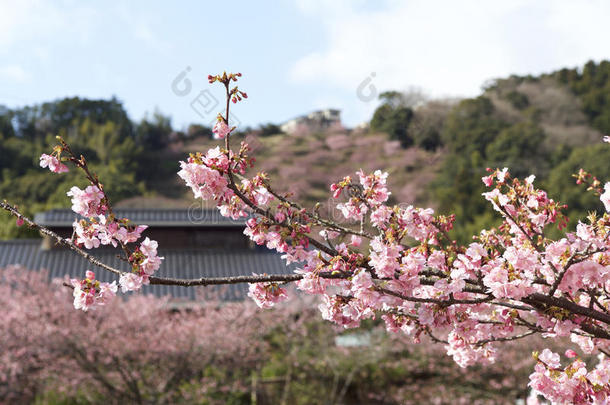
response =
{"points": [[178, 263], [192, 217]]}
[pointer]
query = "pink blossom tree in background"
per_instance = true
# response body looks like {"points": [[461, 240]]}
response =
{"points": [[144, 350], [397, 263], [134, 351]]}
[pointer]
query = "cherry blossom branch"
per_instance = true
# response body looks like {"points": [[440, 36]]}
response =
{"points": [[265, 278], [81, 163], [316, 217], [507, 338], [534, 300], [328, 250], [63, 241], [443, 303], [542, 302], [202, 281]]}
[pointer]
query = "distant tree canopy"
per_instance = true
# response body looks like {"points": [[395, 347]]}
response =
{"points": [[196, 130], [592, 84], [408, 118], [153, 133], [51, 117], [477, 138], [393, 117], [101, 130], [592, 158], [476, 135], [269, 129]]}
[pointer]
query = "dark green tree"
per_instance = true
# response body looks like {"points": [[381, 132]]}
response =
{"points": [[393, 118], [154, 133]]}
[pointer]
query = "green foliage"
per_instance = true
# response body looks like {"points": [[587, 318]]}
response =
{"points": [[476, 139], [154, 134], [427, 138], [269, 129], [470, 128], [393, 118], [593, 87], [517, 100], [561, 185], [477, 136], [49, 118], [196, 130], [519, 148], [98, 129]]}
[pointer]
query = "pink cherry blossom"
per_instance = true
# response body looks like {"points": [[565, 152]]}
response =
{"points": [[130, 282], [86, 234], [311, 283], [266, 295], [52, 163], [221, 129], [88, 202], [356, 240], [605, 197], [205, 182], [502, 175], [90, 293], [487, 180]]}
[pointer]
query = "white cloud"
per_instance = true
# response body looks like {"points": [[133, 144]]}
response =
{"points": [[26, 19], [14, 16], [15, 73], [141, 25], [450, 48]]}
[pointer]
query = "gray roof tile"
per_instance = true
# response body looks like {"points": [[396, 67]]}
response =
{"points": [[192, 217], [178, 263]]}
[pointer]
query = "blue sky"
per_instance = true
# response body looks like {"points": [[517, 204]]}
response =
{"points": [[296, 55]]}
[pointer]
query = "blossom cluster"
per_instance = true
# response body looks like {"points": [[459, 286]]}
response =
{"points": [[369, 194], [90, 293], [52, 163], [266, 295], [144, 262], [221, 129], [572, 384], [100, 227]]}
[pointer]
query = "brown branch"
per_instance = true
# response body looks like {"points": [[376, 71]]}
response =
{"points": [[321, 221], [265, 278], [66, 242], [513, 306], [445, 303], [267, 214], [161, 280], [538, 301], [506, 339], [542, 302]]}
